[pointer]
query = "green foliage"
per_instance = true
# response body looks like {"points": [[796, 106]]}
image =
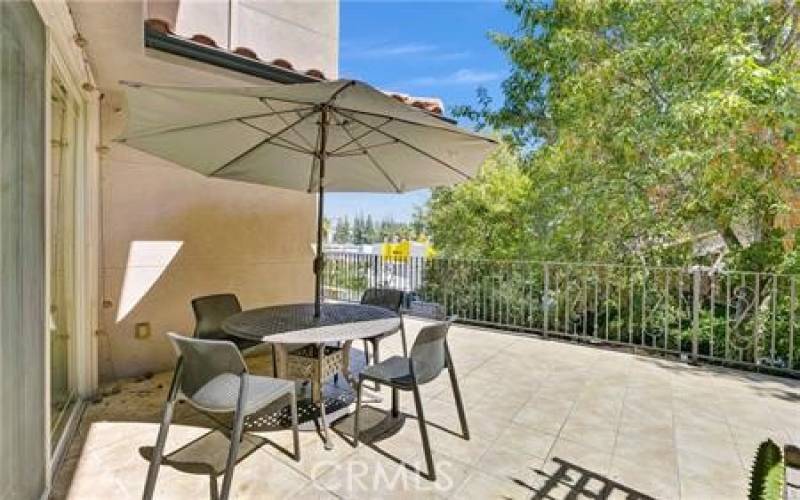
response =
{"points": [[343, 231], [346, 275], [767, 476], [768, 253], [364, 230], [487, 218], [637, 124]]}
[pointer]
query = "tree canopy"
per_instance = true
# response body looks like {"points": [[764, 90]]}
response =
{"points": [[634, 124], [364, 229]]}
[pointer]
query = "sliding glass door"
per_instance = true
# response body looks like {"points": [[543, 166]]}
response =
{"points": [[64, 135]]}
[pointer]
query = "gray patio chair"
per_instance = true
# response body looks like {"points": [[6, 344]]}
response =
{"points": [[212, 376], [391, 299], [430, 355], [209, 313]]}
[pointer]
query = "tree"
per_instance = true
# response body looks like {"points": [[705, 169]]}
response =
{"points": [[418, 224], [358, 230], [326, 228], [370, 233], [486, 218], [640, 123], [342, 233]]}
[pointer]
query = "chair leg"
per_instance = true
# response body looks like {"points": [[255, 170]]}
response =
{"points": [[274, 362], [158, 450], [403, 337], [423, 431], [295, 433], [376, 357], [462, 416], [321, 395], [236, 434], [366, 353], [166, 419], [395, 402], [358, 411]]}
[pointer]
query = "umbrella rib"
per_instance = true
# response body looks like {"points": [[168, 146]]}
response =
{"points": [[260, 143], [285, 122], [363, 149], [294, 145], [415, 148], [360, 136], [208, 124], [375, 163], [338, 91], [457, 131]]}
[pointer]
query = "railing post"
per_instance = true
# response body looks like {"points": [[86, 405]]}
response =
{"points": [[695, 312], [374, 270], [546, 300]]}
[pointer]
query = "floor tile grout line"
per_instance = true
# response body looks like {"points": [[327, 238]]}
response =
{"points": [[675, 435], [494, 441], [619, 419], [735, 443]]}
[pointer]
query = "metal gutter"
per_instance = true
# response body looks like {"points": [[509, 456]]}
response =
{"points": [[221, 58]]}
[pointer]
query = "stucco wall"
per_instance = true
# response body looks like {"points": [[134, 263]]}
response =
{"points": [[169, 234]]}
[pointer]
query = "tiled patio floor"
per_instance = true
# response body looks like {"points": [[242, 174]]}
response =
{"points": [[548, 420]]}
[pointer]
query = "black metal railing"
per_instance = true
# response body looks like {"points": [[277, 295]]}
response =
{"points": [[730, 317]]}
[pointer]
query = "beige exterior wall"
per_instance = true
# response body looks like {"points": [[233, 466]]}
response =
{"points": [[169, 234], [304, 32]]}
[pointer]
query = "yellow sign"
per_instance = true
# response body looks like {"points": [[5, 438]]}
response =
{"points": [[396, 251]]}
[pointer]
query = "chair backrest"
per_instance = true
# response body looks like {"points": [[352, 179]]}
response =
{"points": [[388, 298], [429, 352], [204, 360], [209, 313]]}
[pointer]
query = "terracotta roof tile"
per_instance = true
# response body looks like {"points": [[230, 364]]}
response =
{"points": [[316, 74], [429, 104], [283, 63], [159, 25], [244, 51], [204, 39]]}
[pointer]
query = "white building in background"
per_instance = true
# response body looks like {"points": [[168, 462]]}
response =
{"points": [[411, 248]]}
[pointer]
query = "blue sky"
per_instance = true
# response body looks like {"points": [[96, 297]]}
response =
{"points": [[426, 49]]}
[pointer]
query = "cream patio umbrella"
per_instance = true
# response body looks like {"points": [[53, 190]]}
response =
{"points": [[341, 136]]}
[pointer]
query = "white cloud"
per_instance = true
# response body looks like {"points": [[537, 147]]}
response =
{"points": [[464, 76], [416, 50]]}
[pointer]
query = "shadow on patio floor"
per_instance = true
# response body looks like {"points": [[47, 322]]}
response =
{"points": [[570, 480]]}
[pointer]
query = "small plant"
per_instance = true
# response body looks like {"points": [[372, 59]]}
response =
{"points": [[766, 479]]}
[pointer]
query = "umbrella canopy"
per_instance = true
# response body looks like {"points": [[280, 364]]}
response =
{"points": [[340, 136]]}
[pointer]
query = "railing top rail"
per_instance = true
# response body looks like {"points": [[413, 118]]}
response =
{"points": [[645, 267]]}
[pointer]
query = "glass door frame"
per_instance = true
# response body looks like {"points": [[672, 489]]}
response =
{"points": [[62, 67], [64, 142]]}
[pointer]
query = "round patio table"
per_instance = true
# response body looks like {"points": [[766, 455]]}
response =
{"points": [[295, 324]]}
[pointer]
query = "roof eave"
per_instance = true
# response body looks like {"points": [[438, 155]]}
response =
{"points": [[175, 45], [172, 44]]}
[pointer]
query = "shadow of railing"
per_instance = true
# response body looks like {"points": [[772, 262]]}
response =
{"points": [[579, 482]]}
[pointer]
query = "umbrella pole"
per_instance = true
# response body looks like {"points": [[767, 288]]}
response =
{"points": [[319, 260]]}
